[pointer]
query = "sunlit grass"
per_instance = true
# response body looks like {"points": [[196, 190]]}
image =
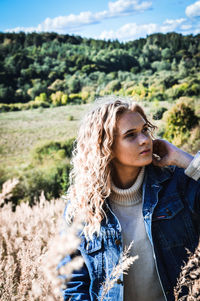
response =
{"points": [[20, 131]]}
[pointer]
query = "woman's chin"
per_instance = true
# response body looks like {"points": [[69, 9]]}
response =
{"points": [[147, 161]]}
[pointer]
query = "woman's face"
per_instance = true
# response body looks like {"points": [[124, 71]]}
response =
{"points": [[132, 144]]}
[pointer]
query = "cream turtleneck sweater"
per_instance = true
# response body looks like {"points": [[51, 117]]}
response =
{"points": [[141, 283]]}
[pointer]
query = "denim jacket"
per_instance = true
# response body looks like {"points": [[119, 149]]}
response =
{"points": [[171, 211]]}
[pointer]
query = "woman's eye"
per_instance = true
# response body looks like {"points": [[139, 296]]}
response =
{"points": [[130, 135], [145, 129]]}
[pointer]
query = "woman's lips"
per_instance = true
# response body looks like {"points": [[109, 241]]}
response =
{"points": [[144, 152]]}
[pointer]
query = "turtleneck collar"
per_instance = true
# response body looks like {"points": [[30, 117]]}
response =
{"points": [[130, 196]]}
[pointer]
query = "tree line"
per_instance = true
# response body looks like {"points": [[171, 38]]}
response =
{"points": [[56, 69]]}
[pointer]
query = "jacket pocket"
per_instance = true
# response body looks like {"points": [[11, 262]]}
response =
{"points": [[168, 208], [91, 246], [172, 225]]}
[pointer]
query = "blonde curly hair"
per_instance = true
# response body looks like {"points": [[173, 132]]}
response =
{"points": [[90, 176]]}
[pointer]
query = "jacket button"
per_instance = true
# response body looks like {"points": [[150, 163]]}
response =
{"points": [[168, 212], [119, 281], [117, 242]]}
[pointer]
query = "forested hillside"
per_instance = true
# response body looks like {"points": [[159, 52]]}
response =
{"points": [[53, 69], [49, 70]]}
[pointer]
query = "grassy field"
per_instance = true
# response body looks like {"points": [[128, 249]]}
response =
{"points": [[21, 131]]}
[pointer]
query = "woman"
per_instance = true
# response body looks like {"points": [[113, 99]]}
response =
{"points": [[132, 188]]}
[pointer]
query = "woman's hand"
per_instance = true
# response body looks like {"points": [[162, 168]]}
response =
{"points": [[165, 153]]}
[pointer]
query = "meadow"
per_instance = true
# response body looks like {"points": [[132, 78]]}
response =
{"points": [[21, 130]]}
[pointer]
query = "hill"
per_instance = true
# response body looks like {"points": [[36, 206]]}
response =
{"points": [[49, 68]]}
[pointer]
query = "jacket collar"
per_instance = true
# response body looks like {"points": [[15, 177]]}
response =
{"points": [[157, 175]]}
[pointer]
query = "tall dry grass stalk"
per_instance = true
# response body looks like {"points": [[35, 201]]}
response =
{"points": [[7, 188], [121, 268], [189, 279], [31, 247]]}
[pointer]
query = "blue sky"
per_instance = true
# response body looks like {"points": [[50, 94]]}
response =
{"points": [[105, 19]]}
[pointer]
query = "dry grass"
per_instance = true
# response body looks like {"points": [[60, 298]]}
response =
{"points": [[121, 268], [31, 247], [189, 279]]}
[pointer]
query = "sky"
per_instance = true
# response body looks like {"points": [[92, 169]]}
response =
{"points": [[124, 20]]}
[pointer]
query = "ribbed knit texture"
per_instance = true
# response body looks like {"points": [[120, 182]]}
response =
{"points": [[130, 196], [193, 170]]}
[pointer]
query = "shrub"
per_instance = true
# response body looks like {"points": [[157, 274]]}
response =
{"points": [[51, 178], [41, 98], [178, 90], [113, 86], [59, 98], [70, 117], [24, 106], [64, 99], [48, 149], [180, 119], [193, 142], [75, 98], [159, 113], [4, 108], [48, 171]]}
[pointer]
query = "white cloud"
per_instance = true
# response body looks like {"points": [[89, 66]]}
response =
{"points": [[193, 10], [25, 29], [65, 23], [130, 31], [127, 6], [69, 22], [171, 25], [133, 31], [186, 27], [62, 24]]}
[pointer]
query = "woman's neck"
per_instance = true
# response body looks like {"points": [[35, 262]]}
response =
{"points": [[124, 177]]}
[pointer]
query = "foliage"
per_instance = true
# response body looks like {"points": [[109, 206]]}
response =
{"points": [[48, 171], [49, 67], [24, 106], [50, 178], [159, 113], [51, 149], [59, 98], [180, 120]]}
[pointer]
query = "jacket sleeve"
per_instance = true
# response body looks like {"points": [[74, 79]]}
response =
{"points": [[191, 185], [77, 288], [193, 170]]}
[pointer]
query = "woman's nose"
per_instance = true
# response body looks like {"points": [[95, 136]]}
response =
{"points": [[142, 138]]}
